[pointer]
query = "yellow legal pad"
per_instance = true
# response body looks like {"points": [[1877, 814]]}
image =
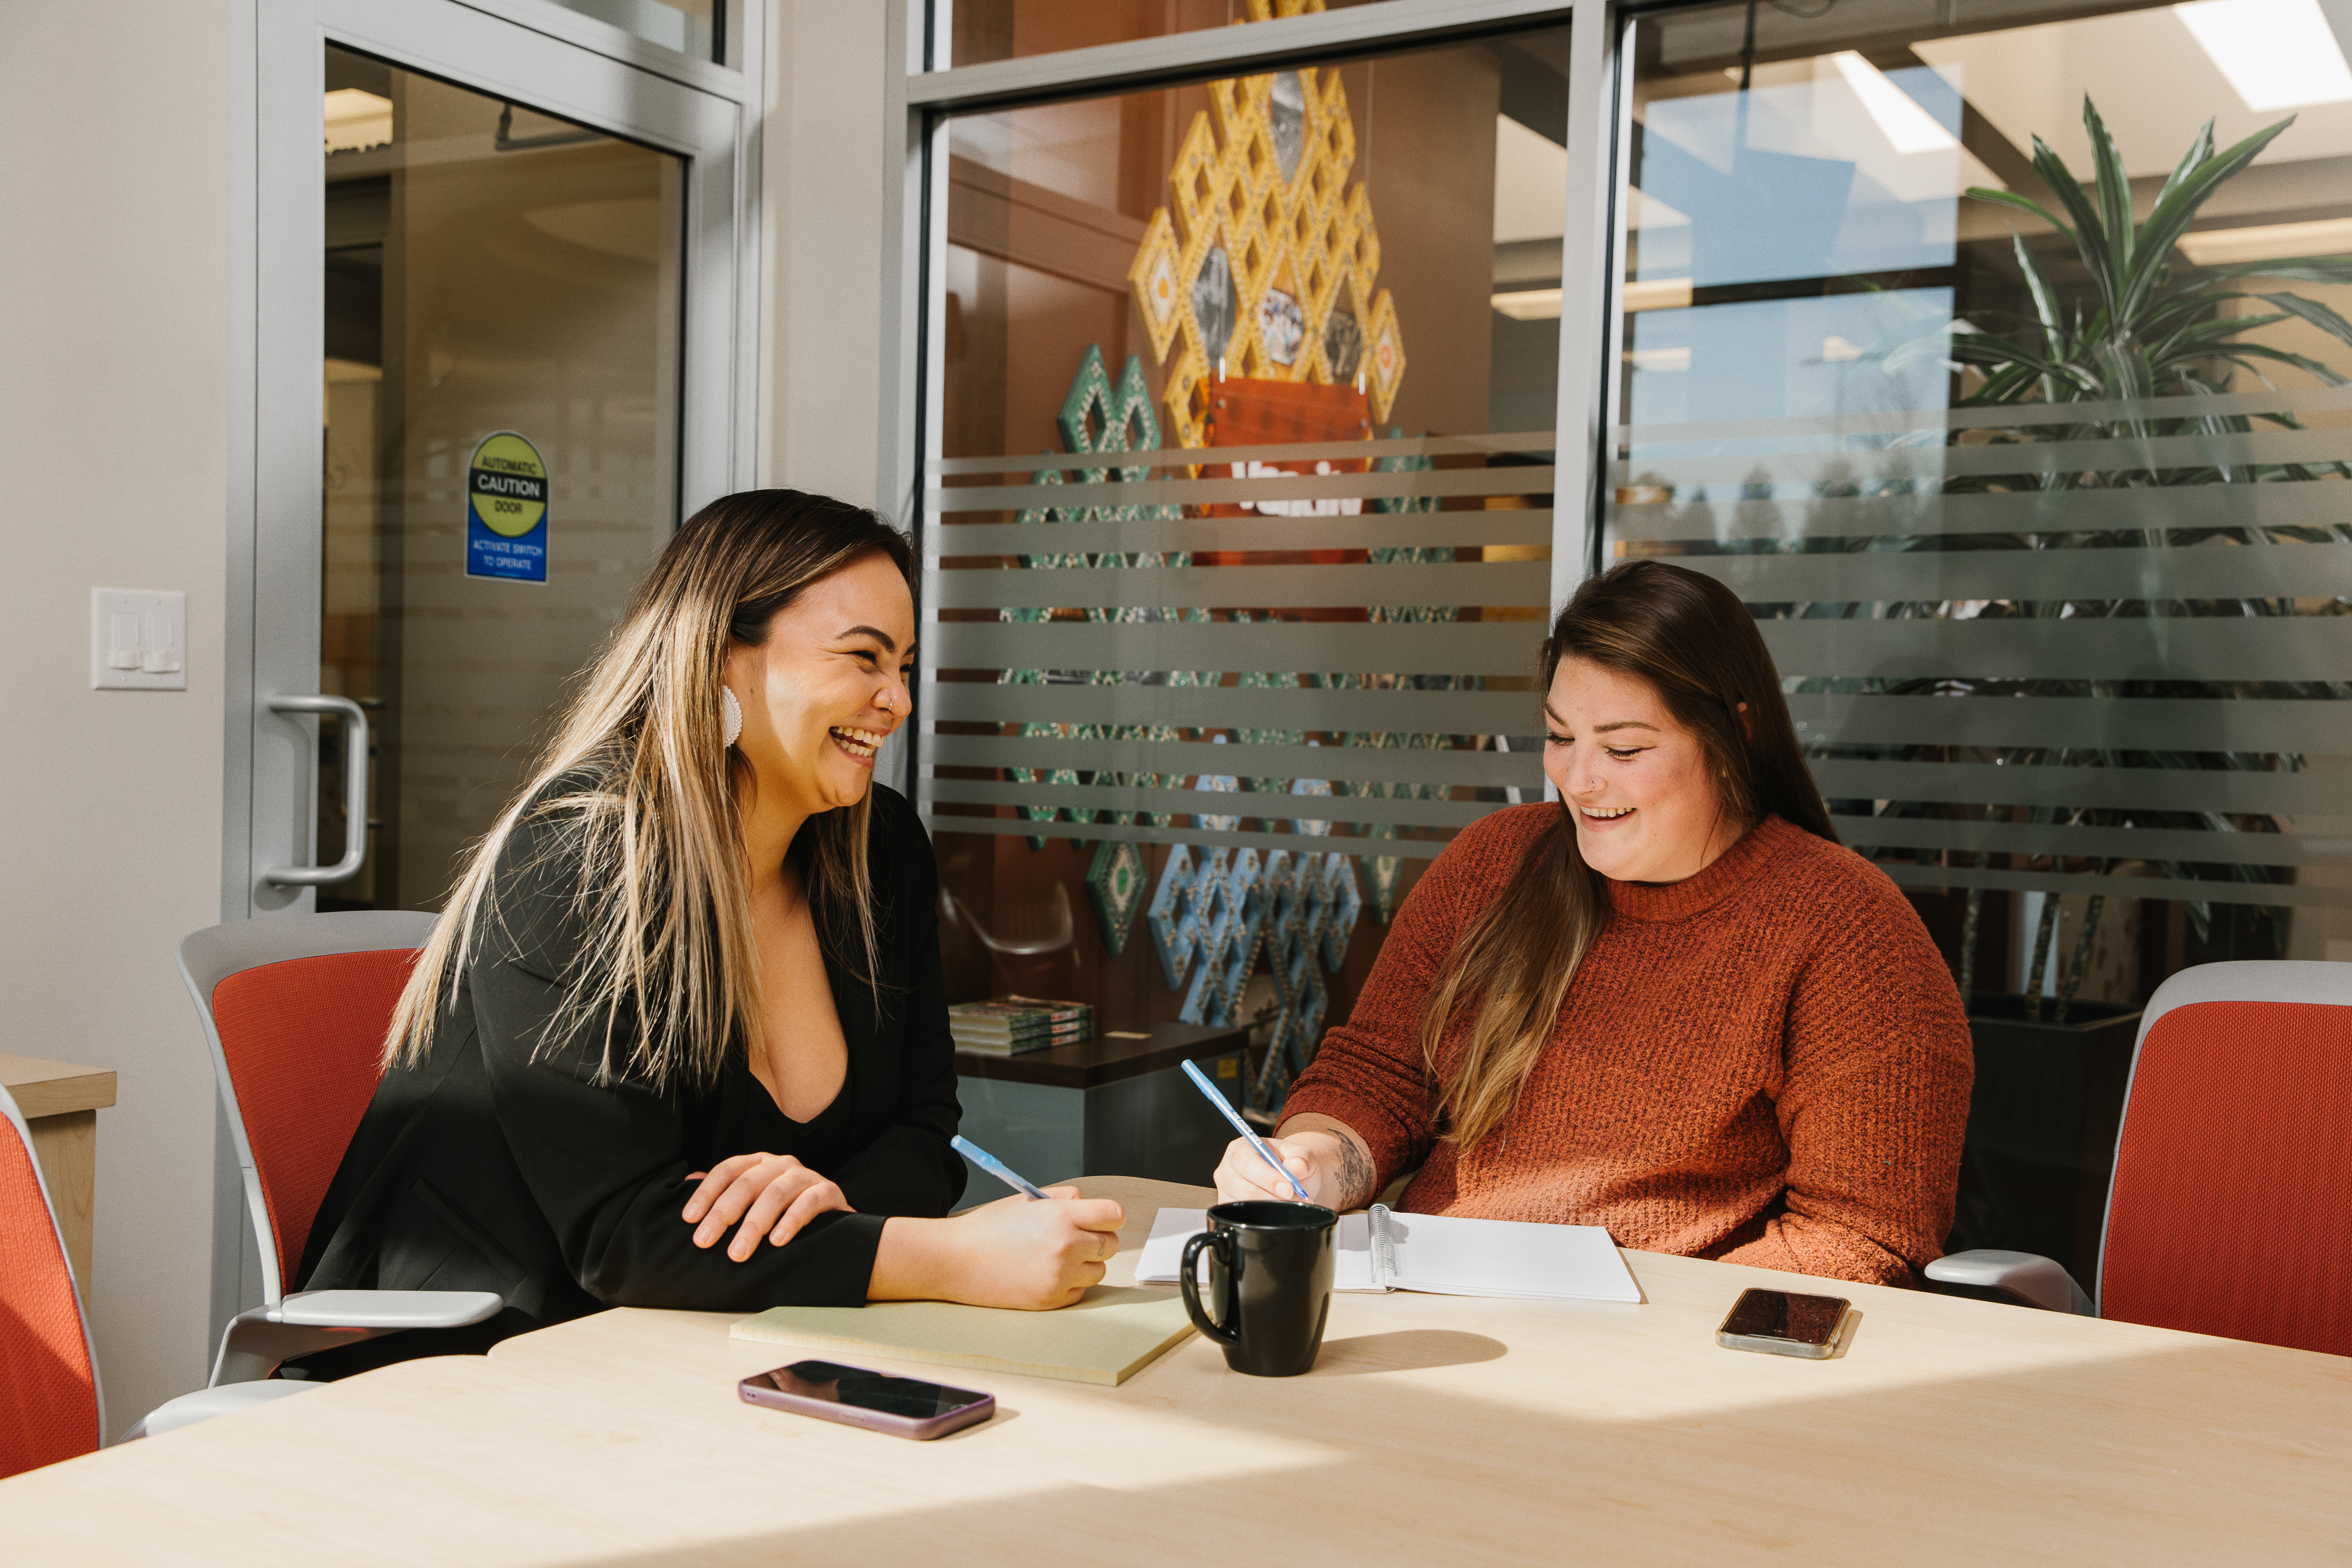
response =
{"points": [[1110, 1333]]}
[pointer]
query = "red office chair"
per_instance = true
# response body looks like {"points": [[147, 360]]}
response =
{"points": [[49, 1380], [49, 1403], [295, 1008], [2231, 1210]]}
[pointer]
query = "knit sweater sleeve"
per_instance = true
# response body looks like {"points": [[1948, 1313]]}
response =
{"points": [[1369, 1073], [1874, 1104]]}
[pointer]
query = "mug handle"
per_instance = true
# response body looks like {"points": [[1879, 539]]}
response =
{"points": [[1188, 1279]]}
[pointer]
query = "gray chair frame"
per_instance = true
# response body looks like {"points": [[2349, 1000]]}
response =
{"points": [[286, 1326], [2037, 1281]]}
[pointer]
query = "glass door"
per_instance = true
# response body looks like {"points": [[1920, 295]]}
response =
{"points": [[500, 293]]}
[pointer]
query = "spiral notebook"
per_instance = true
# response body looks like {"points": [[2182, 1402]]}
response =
{"points": [[1442, 1255]]}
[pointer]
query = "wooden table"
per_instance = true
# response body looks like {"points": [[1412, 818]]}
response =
{"points": [[1435, 1430], [1117, 1102], [60, 1103]]}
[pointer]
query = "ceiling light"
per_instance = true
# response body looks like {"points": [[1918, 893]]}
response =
{"points": [[2278, 54], [1529, 304], [2267, 242], [1658, 294], [1906, 127], [1659, 360], [356, 119], [1543, 304]]}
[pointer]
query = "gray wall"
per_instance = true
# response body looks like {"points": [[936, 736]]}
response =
{"points": [[114, 289]]}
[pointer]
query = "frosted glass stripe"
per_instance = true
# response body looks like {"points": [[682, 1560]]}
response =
{"points": [[2216, 891], [2317, 727], [1376, 764], [2154, 789], [1294, 452], [2168, 647], [2202, 572], [2115, 843], [1879, 465], [1505, 481], [1365, 530], [1249, 707], [1503, 583], [1500, 648], [2280, 505], [1251, 804], [2012, 416], [1144, 833]]}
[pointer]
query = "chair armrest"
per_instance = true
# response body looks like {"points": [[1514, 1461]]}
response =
{"points": [[388, 1308], [206, 1402], [2036, 1280]]}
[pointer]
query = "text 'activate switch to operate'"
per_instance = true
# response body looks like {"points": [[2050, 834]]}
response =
{"points": [[138, 640]]}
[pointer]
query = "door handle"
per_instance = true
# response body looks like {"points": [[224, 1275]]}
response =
{"points": [[355, 793]]}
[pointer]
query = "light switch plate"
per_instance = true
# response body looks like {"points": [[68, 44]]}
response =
{"points": [[137, 640]]}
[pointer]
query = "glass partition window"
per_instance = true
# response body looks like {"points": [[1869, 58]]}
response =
{"points": [[2014, 407], [1237, 545]]}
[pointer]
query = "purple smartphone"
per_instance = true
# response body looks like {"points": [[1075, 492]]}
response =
{"points": [[902, 1406]]}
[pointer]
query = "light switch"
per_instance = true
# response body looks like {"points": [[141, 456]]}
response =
{"points": [[137, 640]]}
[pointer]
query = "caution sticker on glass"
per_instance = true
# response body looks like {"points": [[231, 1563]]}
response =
{"points": [[506, 510]]}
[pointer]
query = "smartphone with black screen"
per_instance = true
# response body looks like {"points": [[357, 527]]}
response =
{"points": [[902, 1406], [1778, 1322]]}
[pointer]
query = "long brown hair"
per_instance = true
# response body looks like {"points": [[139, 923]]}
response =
{"points": [[1691, 639], [639, 789]]}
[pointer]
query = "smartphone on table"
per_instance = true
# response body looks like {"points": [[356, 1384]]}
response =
{"points": [[1780, 1322], [902, 1406]]}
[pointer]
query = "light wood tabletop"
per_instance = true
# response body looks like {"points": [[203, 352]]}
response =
{"points": [[60, 1103], [1442, 1429]]}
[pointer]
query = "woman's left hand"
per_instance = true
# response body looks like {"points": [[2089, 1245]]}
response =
{"points": [[770, 1193]]}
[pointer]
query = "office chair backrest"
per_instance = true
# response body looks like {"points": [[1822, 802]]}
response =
{"points": [[295, 1008], [49, 1380], [2231, 1208]]}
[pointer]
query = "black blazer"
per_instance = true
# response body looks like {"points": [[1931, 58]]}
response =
{"points": [[485, 1169]]}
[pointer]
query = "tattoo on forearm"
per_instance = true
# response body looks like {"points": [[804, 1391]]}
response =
{"points": [[1355, 1174]]}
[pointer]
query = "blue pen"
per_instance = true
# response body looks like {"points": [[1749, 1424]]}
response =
{"points": [[1222, 1103], [992, 1165]]}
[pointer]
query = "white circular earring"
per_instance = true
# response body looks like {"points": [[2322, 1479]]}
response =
{"points": [[731, 718]]}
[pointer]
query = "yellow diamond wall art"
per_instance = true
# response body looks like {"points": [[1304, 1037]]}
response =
{"points": [[1265, 268]]}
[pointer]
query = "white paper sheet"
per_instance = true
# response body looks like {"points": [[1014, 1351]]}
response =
{"points": [[1442, 1254]]}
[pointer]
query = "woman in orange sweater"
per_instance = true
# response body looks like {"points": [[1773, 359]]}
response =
{"points": [[1669, 1004]]}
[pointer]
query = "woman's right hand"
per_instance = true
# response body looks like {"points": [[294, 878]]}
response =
{"points": [[1328, 1157], [1016, 1252], [1241, 1175]]}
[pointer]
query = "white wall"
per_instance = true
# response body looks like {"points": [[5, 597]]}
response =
{"points": [[113, 299], [822, 212]]}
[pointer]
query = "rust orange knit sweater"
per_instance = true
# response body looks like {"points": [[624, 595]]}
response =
{"points": [[1767, 1063]]}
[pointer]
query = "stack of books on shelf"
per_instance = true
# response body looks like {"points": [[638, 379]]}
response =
{"points": [[1011, 1024]]}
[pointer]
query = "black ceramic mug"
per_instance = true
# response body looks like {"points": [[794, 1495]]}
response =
{"points": [[1270, 1272]]}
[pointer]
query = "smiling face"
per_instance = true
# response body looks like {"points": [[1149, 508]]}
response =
{"points": [[1638, 782], [827, 687]]}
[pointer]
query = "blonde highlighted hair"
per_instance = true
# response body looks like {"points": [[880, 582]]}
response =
{"points": [[638, 791], [1693, 641]]}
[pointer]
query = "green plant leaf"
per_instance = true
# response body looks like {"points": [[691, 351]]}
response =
{"points": [[2173, 213], [2090, 236], [2287, 269], [2024, 203], [2045, 298], [2113, 189], [2311, 310], [2200, 149], [2237, 353]]}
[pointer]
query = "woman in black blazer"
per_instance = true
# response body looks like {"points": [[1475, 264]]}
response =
{"points": [[680, 1038]]}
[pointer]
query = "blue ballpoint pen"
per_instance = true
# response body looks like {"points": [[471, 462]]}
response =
{"points": [[992, 1165], [1222, 1103]]}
